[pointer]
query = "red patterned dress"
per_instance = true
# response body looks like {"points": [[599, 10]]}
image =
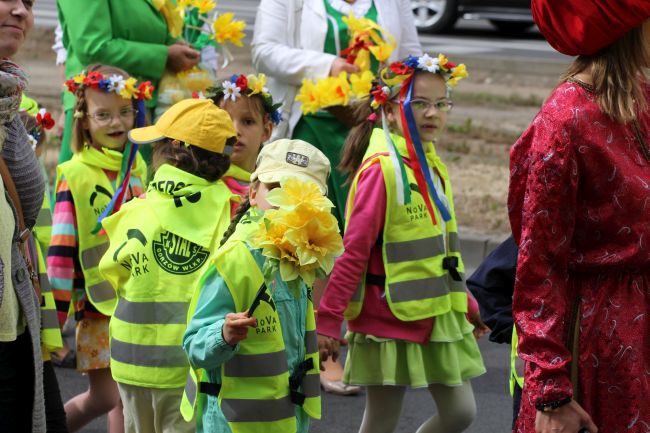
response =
{"points": [[579, 206]]}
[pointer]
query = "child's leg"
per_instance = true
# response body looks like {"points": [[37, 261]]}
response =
{"points": [[102, 396], [383, 408], [456, 409]]}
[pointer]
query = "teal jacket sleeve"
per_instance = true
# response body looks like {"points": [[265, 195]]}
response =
{"points": [[203, 341], [91, 35]]}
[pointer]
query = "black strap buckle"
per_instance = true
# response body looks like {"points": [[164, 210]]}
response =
{"points": [[295, 380], [208, 388], [450, 263]]}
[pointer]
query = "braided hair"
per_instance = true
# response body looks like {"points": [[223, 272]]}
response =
{"points": [[241, 211]]}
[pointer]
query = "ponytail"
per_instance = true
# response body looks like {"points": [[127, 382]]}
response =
{"points": [[358, 139], [241, 211]]}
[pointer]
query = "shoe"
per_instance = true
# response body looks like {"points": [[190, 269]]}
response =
{"points": [[339, 388]]}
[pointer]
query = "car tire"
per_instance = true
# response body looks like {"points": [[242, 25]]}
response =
{"points": [[434, 16], [511, 27]]}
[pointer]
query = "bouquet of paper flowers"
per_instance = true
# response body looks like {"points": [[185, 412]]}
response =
{"points": [[204, 29], [300, 237], [366, 39]]}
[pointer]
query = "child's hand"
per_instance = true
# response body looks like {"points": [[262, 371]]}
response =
{"points": [[480, 328], [235, 328], [328, 346]]}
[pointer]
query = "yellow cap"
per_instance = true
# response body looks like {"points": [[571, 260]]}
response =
{"points": [[193, 121], [284, 158]]}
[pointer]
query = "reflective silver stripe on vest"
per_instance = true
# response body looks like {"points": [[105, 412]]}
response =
{"points": [[44, 282], [152, 313], [240, 410], [519, 367], [49, 319], [190, 389], [311, 342], [414, 250], [454, 242], [144, 355], [264, 364], [44, 218], [417, 290], [90, 258], [311, 385], [101, 292]]}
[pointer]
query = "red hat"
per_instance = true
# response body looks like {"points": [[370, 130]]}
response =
{"points": [[575, 27]]}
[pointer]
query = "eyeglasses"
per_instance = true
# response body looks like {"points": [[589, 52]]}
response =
{"points": [[422, 105], [105, 117]]}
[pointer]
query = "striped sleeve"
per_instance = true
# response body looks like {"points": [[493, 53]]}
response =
{"points": [[63, 268]]}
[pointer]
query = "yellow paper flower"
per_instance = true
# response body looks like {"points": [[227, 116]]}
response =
{"points": [[79, 79], [204, 6], [228, 30], [129, 90], [361, 84], [181, 3], [295, 192], [309, 97], [257, 84], [382, 51], [301, 235], [458, 74], [195, 79], [442, 60]]}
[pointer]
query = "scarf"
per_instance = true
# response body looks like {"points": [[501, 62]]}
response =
{"points": [[237, 179], [12, 84], [189, 206], [125, 163]]}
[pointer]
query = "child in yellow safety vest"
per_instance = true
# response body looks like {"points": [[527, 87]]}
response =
{"points": [[399, 282], [105, 171], [36, 121], [253, 328], [159, 247], [253, 113]]}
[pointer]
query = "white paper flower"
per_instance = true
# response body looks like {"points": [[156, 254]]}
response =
{"points": [[117, 83], [230, 91], [386, 90], [428, 63]]}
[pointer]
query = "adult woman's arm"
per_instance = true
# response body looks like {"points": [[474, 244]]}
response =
{"points": [[272, 50], [410, 42], [90, 34], [544, 186]]}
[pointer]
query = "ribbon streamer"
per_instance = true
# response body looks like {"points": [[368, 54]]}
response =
{"points": [[416, 143], [401, 181]]}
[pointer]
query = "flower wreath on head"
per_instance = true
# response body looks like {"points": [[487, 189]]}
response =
{"points": [[127, 88], [396, 81], [248, 85]]}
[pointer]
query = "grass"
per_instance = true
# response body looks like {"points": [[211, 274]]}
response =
{"points": [[469, 130]]}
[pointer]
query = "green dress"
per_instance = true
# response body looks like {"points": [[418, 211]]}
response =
{"points": [[322, 129], [129, 34]]}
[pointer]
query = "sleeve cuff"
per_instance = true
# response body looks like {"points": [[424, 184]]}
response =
{"points": [[328, 325], [218, 343]]}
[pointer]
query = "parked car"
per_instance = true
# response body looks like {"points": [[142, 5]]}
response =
{"points": [[435, 16]]}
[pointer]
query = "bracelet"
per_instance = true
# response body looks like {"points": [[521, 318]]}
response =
{"points": [[551, 406]]}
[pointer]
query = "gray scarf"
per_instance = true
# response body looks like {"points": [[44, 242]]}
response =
{"points": [[13, 82]]}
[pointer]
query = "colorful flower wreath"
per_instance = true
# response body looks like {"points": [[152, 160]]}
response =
{"points": [[248, 85], [127, 88], [394, 75]]}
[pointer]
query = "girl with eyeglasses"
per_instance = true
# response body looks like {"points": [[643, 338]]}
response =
{"points": [[104, 172], [399, 282]]}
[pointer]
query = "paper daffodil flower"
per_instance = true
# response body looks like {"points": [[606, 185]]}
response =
{"points": [[361, 84], [257, 84], [295, 192], [129, 90], [228, 30]]}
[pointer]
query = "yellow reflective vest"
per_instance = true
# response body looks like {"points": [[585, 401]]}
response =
{"points": [[257, 394], [159, 247], [92, 192], [50, 330], [516, 364], [417, 285]]}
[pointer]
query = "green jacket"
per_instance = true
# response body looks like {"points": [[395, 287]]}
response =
{"points": [[129, 34]]}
